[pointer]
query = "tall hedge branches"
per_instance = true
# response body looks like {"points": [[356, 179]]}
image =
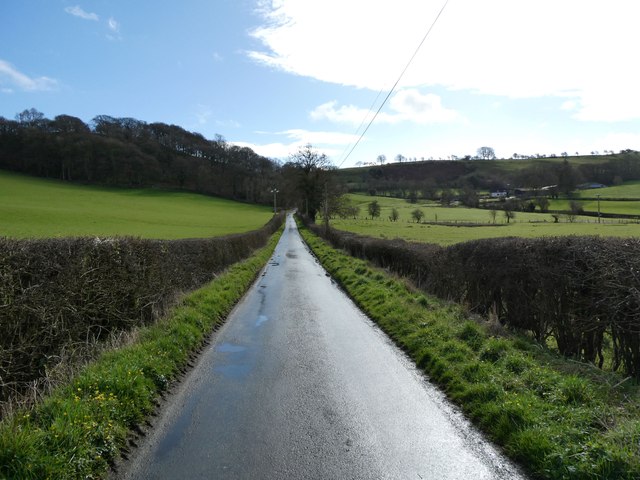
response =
{"points": [[584, 292]]}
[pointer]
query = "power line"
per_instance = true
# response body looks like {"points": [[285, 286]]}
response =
{"points": [[395, 84], [364, 119]]}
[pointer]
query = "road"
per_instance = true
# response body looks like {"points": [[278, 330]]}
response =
{"points": [[300, 384]]}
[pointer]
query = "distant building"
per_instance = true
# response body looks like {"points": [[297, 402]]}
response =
{"points": [[524, 192], [588, 186], [499, 194]]}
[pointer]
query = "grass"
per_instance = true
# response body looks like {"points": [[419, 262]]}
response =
{"points": [[626, 207], [34, 207], [525, 224], [626, 190], [80, 429], [559, 419]]}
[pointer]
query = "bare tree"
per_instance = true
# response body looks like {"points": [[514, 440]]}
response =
{"points": [[543, 203], [381, 159], [509, 210], [310, 167], [31, 117], [486, 153]]}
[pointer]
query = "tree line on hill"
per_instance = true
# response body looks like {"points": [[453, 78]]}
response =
{"points": [[126, 152], [431, 179]]}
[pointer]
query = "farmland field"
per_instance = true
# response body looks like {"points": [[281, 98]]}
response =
{"points": [[625, 207], [626, 190], [34, 207], [524, 225]]}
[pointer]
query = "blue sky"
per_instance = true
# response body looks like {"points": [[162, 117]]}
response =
{"points": [[523, 77]]}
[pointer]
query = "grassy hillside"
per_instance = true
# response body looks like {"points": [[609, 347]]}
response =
{"points": [[624, 207], [626, 190], [524, 225], [460, 171], [33, 207]]}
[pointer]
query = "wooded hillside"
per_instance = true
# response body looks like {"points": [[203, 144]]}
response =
{"points": [[132, 153]]}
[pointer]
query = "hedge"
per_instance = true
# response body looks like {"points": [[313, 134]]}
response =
{"points": [[58, 293], [584, 292]]}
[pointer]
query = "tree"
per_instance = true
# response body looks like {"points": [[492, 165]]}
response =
{"points": [[469, 197], [543, 203], [417, 215], [30, 117], [508, 208], [69, 124], [509, 215], [381, 159], [374, 209], [567, 178], [394, 215], [486, 153], [493, 213], [311, 169], [576, 207], [446, 197]]}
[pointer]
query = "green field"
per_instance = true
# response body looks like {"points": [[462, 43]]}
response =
{"points": [[620, 199], [626, 190], [625, 207], [33, 207], [524, 225]]}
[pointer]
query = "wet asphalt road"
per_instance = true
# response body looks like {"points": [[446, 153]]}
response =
{"points": [[299, 384]]}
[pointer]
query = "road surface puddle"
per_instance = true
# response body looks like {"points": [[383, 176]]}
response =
{"points": [[230, 348], [261, 320]]}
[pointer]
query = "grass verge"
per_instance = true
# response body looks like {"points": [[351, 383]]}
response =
{"points": [[80, 429], [558, 419]]}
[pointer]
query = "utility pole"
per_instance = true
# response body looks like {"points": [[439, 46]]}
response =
{"points": [[598, 195], [275, 192], [326, 210]]}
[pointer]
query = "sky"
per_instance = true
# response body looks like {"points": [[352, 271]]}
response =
{"points": [[524, 77]]}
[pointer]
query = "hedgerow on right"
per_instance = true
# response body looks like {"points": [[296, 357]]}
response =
{"points": [[559, 419], [580, 293]]}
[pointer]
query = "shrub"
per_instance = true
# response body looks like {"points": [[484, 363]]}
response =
{"points": [[582, 291], [63, 294]]}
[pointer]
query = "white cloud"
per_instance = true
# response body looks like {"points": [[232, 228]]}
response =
{"points": [[405, 105], [9, 74], [114, 29], [303, 137], [411, 105], [349, 114], [269, 150], [494, 47], [77, 11], [330, 143], [114, 26]]}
